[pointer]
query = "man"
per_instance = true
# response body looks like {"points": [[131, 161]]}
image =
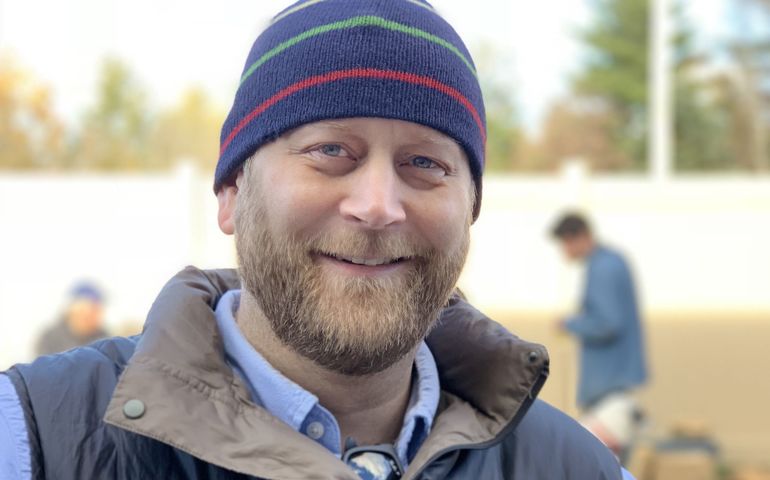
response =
{"points": [[350, 172], [80, 324], [608, 329]]}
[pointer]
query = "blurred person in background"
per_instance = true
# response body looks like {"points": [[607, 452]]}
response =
{"points": [[608, 330], [350, 174], [80, 323]]}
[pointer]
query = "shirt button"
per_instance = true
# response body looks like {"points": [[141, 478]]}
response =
{"points": [[315, 430], [133, 409]]}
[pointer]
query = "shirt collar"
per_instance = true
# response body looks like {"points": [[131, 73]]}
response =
{"points": [[422, 407], [268, 387], [292, 404]]}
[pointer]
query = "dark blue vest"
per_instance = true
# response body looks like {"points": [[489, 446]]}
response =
{"points": [[64, 398]]}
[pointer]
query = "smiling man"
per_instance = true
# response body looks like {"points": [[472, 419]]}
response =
{"points": [[349, 174]]}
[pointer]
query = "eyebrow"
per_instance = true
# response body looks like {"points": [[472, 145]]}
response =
{"points": [[430, 137], [323, 124], [422, 136], [332, 124]]}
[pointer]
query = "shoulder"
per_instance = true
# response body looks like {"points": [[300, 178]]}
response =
{"points": [[52, 338], [55, 328], [609, 260], [561, 447], [552, 424], [80, 370], [63, 396], [115, 351]]}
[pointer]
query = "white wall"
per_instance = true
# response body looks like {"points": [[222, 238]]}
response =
{"points": [[127, 233], [696, 244]]}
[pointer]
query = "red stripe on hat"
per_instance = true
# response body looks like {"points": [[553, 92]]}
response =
{"points": [[355, 73]]}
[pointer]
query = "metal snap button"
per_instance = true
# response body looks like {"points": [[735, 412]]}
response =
{"points": [[133, 409]]}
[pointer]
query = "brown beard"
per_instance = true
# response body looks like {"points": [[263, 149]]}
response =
{"points": [[349, 325]]}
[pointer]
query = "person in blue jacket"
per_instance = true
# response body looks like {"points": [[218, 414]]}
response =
{"points": [[608, 329]]}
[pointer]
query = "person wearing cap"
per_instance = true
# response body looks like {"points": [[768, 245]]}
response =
{"points": [[349, 173], [81, 323]]}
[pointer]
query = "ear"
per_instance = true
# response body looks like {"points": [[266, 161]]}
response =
{"points": [[227, 198]]}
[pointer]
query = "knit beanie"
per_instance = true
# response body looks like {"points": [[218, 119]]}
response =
{"points": [[86, 290], [329, 59]]}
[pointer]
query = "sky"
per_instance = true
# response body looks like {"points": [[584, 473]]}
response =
{"points": [[173, 45]]}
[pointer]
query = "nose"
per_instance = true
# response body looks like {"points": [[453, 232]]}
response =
{"points": [[375, 197]]}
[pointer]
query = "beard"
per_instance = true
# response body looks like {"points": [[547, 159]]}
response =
{"points": [[353, 325]]}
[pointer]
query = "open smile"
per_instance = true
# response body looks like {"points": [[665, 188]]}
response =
{"points": [[370, 265]]}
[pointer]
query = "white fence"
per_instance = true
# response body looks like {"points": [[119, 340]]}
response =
{"points": [[127, 233], [696, 244]]}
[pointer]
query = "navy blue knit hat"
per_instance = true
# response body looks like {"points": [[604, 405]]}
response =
{"points": [[86, 290], [326, 59]]}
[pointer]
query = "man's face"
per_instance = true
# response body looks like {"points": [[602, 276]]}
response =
{"points": [[577, 247], [351, 235], [85, 317]]}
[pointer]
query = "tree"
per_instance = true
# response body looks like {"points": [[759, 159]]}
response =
{"points": [[116, 130], [604, 120], [31, 135], [580, 128], [710, 111], [751, 51], [701, 128], [719, 121], [701, 137], [615, 75], [189, 130], [504, 134], [119, 132]]}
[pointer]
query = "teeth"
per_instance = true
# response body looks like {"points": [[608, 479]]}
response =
{"points": [[363, 261]]}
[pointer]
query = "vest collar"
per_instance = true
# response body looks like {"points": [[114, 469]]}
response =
{"points": [[194, 402]]}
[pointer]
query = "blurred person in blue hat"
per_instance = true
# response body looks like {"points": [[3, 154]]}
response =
{"points": [[350, 172], [81, 322], [609, 332]]}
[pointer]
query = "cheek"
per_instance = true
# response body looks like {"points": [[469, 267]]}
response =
{"points": [[295, 204], [443, 223]]}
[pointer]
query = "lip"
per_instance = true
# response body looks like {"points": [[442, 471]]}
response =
{"points": [[361, 270]]}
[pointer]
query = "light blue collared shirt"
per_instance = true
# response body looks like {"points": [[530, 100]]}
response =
{"points": [[14, 446], [301, 410]]}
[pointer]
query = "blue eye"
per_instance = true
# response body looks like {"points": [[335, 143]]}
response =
{"points": [[332, 150], [423, 162]]}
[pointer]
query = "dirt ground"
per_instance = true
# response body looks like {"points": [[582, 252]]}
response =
{"points": [[707, 368]]}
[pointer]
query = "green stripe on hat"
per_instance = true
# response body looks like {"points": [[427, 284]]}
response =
{"points": [[363, 21], [310, 3]]}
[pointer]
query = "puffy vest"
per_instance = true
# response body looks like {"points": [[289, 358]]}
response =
{"points": [[488, 426], [70, 442]]}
